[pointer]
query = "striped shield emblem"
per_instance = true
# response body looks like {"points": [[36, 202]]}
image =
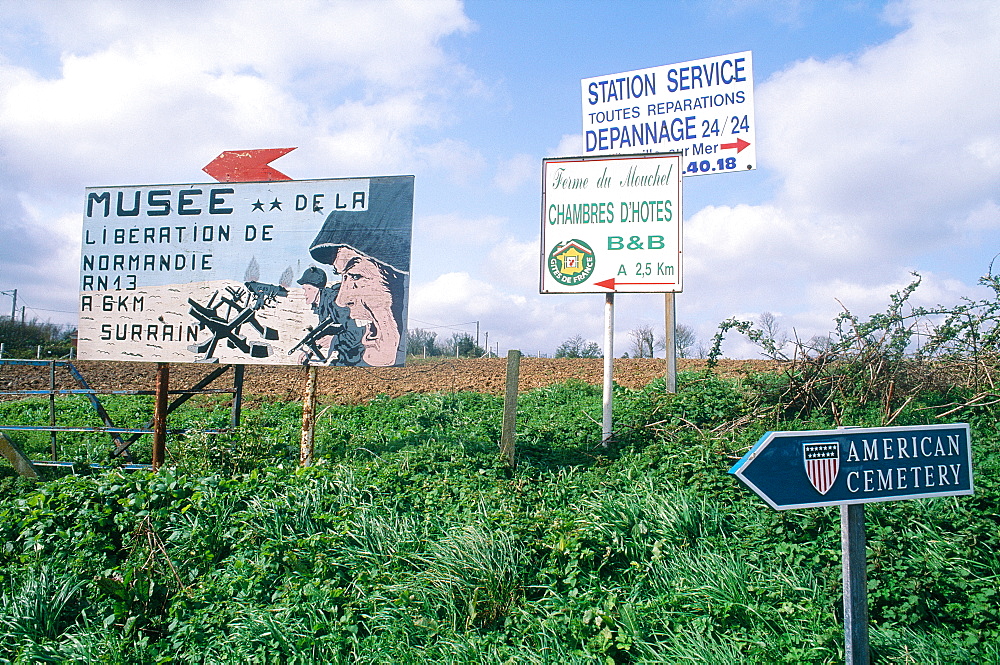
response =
{"points": [[822, 462]]}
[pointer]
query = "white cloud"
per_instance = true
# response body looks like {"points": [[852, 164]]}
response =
{"points": [[569, 145], [103, 92], [898, 136], [458, 292], [535, 323], [514, 263], [458, 159], [42, 256], [743, 249], [183, 82], [514, 173], [391, 42], [456, 229], [984, 218]]}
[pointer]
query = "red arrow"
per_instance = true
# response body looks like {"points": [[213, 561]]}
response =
{"points": [[739, 145], [247, 165], [610, 284]]}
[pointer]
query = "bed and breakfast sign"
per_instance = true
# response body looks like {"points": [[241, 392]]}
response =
{"points": [[611, 224]]}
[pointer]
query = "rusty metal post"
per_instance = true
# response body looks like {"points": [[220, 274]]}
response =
{"points": [[160, 414], [510, 407], [307, 444], [17, 458]]}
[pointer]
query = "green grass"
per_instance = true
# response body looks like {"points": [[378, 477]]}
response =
{"points": [[411, 542]]}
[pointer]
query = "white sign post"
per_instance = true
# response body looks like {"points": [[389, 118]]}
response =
{"points": [[703, 108]]}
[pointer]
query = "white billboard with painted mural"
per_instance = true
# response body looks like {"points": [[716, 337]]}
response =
{"points": [[311, 272]]}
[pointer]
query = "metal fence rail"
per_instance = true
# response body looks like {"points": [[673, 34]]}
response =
{"points": [[121, 437]]}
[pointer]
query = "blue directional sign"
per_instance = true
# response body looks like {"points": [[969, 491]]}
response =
{"points": [[858, 465]]}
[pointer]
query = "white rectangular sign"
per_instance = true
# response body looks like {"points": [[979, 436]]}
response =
{"points": [[703, 108], [285, 272], [611, 224]]}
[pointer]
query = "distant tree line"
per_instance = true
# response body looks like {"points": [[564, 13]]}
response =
{"points": [[21, 340], [422, 343], [643, 344]]}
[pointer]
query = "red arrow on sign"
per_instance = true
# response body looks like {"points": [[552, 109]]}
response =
{"points": [[739, 145], [247, 165], [611, 283]]}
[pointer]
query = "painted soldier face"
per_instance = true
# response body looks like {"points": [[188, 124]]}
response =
{"points": [[364, 289], [311, 294]]}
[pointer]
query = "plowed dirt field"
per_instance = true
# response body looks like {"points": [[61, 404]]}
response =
{"points": [[349, 385]]}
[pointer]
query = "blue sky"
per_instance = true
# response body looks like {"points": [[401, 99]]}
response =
{"points": [[878, 141]]}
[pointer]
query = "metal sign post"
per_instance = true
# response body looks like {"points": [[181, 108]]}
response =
{"points": [[607, 423], [239, 372], [855, 572]]}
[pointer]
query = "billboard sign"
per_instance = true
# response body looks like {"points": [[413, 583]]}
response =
{"points": [[611, 224], [703, 108], [858, 465], [289, 272]]}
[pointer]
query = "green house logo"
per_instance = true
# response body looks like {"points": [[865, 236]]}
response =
{"points": [[571, 262]]}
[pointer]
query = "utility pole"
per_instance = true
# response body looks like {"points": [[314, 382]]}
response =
{"points": [[13, 307]]}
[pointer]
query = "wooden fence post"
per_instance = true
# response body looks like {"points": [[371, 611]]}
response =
{"points": [[510, 407], [307, 443], [160, 414]]}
